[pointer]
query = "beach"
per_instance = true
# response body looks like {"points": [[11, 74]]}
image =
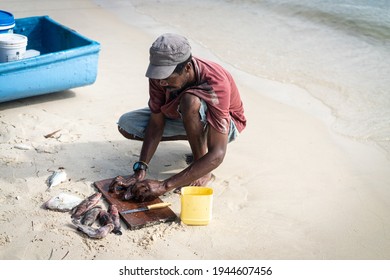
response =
{"points": [[291, 187]]}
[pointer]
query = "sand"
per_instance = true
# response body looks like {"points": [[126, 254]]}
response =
{"points": [[289, 188]]}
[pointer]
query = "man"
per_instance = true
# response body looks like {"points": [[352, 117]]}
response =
{"points": [[190, 99]]}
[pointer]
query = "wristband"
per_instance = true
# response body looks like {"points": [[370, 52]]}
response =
{"points": [[140, 165]]}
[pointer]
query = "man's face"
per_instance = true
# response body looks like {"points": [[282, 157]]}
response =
{"points": [[175, 81]]}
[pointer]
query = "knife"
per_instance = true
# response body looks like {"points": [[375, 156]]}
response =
{"points": [[147, 208]]}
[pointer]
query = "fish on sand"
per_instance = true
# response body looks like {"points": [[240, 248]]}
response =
{"points": [[91, 216], [113, 211], [105, 218], [96, 233], [85, 205], [59, 176], [63, 202]]}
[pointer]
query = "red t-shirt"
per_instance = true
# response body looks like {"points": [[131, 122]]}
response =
{"points": [[215, 86]]}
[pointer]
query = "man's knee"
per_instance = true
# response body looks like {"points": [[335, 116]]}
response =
{"points": [[128, 135], [189, 105], [123, 132]]}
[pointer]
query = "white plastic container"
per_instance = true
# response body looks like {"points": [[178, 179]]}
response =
{"points": [[12, 47]]}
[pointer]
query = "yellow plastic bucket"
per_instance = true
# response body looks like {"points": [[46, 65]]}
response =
{"points": [[196, 205]]}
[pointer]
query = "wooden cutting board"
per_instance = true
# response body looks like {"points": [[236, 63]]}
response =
{"points": [[140, 219]]}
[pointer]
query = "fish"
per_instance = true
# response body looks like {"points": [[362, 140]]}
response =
{"points": [[91, 216], [59, 176], [105, 218], [113, 211], [85, 205], [112, 188], [96, 233], [62, 202], [118, 184], [128, 194]]}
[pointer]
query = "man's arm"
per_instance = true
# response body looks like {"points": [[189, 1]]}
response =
{"points": [[153, 134], [216, 150], [217, 145]]}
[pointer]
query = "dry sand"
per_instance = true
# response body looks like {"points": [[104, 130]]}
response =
{"points": [[288, 188]]}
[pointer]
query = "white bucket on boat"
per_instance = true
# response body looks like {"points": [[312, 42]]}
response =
{"points": [[12, 47]]}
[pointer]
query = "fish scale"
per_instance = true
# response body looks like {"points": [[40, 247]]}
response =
{"points": [[91, 215], [85, 205]]}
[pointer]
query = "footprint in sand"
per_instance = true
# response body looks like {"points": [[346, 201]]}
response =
{"points": [[233, 192], [7, 132]]}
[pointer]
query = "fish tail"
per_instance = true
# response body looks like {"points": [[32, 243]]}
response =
{"points": [[76, 222], [117, 231]]}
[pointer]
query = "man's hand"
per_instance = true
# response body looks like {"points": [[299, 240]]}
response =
{"points": [[126, 182], [148, 189]]}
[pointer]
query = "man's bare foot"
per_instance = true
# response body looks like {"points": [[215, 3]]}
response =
{"points": [[201, 182]]}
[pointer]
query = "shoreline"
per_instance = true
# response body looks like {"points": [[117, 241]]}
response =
{"points": [[339, 102]]}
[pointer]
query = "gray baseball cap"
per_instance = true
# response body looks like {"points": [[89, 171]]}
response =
{"points": [[166, 53]]}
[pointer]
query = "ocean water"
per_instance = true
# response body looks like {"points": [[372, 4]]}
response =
{"points": [[337, 51]]}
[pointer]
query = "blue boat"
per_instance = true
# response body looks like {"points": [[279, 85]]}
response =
{"points": [[67, 60]]}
